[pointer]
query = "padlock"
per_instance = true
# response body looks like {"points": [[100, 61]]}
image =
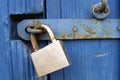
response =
{"points": [[50, 58]]}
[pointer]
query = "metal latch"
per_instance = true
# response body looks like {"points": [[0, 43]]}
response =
{"points": [[68, 29]]}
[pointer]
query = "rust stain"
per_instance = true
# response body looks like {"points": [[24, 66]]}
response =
{"points": [[65, 36], [106, 32], [88, 29], [96, 22], [35, 22], [107, 37], [110, 21], [83, 36], [73, 19], [78, 36], [75, 28]]}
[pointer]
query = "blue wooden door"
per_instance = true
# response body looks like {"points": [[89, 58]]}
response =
{"points": [[91, 59], [15, 61]]}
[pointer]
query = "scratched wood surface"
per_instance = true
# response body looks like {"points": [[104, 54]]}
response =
{"points": [[15, 61], [91, 59]]}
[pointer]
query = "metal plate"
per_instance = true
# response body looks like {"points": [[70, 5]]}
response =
{"points": [[74, 28]]}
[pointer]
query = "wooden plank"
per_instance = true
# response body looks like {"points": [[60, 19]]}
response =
{"points": [[84, 64], [110, 59], [5, 60], [53, 11], [92, 59], [27, 70], [77, 8], [82, 9], [15, 61], [26, 6], [89, 68], [114, 9], [22, 66], [19, 58]]}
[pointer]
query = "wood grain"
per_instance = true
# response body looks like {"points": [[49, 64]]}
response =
{"points": [[91, 59]]}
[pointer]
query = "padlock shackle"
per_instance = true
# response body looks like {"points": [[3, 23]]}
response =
{"points": [[33, 36], [34, 42], [49, 31]]}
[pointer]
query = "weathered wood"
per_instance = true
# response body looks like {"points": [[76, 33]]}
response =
{"points": [[91, 59], [54, 11], [15, 60], [5, 50], [25, 6], [15, 65]]}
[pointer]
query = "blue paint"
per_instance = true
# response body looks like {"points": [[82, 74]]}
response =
{"points": [[85, 28], [5, 60], [15, 61], [91, 59], [25, 6], [53, 10], [82, 9]]}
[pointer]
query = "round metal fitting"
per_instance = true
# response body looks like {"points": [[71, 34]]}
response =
{"points": [[99, 12]]}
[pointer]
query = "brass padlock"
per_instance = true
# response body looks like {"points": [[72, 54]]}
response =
{"points": [[50, 58]]}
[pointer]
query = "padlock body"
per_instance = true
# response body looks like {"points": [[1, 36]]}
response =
{"points": [[50, 58]]}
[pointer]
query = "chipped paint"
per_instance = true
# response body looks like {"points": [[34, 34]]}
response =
{"points": [[75, 28], [65, 36], [96, 22], [102, 55], [106, 32], [77, 36], [88, 29]]}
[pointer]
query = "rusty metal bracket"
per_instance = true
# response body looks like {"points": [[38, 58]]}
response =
{"points": [[101, 10], [68, 29]]}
